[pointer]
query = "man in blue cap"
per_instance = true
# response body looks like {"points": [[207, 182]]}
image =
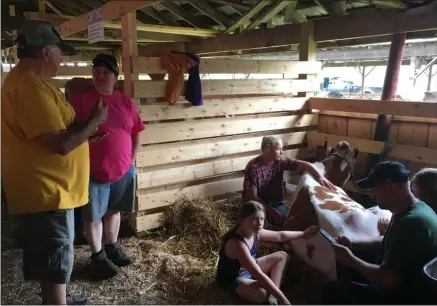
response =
{"points": [[410, 241], [45, 160]]}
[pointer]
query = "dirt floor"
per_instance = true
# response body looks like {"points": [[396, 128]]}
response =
{"points": [[163, 273]]}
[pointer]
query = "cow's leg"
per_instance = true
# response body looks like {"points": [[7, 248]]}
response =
{"points": [[302, 213], [317, 252]]}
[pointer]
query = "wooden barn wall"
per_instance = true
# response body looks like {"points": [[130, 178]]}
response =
{"points": [[201, 151], [412, 134]]}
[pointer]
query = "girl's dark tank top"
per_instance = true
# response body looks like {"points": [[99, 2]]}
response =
{"points": [[229, 269]]}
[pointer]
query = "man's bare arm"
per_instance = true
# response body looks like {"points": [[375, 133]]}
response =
{"points": [[64, 141]]}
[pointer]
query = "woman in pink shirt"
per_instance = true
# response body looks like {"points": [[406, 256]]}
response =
{"points": [[112, 178]]}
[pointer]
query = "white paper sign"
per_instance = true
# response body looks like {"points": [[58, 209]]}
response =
{"points": [[95, 26]]}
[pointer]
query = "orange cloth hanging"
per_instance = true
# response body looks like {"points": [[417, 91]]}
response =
{"points": [[174, 64]]}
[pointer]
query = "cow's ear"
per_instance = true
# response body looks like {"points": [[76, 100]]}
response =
{"points": [[356, 152], [331, 150]]}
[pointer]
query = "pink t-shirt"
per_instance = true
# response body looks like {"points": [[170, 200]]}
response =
{"points": [[111, 157]]}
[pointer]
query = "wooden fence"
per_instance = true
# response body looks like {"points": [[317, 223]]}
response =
{"points": [[412, 135], [201, 151]]}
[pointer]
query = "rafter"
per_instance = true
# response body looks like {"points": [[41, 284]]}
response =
{"points": [[52, 18], [176, 10], [236, 4], [292, 15], [168, 29], [390, 4], [333, 7], [54, 8], [110, 11], [158, 16], [212, 13], [246, 18], [276, 7]]}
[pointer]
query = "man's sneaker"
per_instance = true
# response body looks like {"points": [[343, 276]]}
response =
{"points": [[116, 254], [102, 267], [73, 299]]}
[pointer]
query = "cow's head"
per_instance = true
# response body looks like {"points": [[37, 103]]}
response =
{"points": [[339, 162]]}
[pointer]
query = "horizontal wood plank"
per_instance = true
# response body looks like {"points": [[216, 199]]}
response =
{"points": [[168, 197], [374, 116], [197, 171], [191, 172], [214, 148], [398, 108], [155, 89], [398, 151], [148, 222], [221, 107], [186, 130], [153, 65]]}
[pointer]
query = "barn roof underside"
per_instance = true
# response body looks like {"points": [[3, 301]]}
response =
{"points": [[190, 21]]}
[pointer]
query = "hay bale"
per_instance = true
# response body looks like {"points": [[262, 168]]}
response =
{"points": [[198, 225]]}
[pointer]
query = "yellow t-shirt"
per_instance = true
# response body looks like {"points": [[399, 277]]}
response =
{"points": [[34, 178]]}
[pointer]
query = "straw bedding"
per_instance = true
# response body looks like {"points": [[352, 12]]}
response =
{"points": [[174, 265]]}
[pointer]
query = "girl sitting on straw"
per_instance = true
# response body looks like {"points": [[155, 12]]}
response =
{"points": [[240, 272]]}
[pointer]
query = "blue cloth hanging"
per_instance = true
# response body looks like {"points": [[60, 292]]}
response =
{"points": [[193, 89]]}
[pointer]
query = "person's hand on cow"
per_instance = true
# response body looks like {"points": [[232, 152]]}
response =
{"points": [[343, 254], [326, 183], [345, 241], [310, 232], [383, 225], [319, 177]]}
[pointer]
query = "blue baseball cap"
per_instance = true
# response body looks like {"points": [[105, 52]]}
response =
{"points": [[388, 171]]}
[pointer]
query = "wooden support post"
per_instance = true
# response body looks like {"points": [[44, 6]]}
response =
{"points": [[394, 66], [389, 90], [307, 48], [130, 49], [428, 86], [41, 6]]}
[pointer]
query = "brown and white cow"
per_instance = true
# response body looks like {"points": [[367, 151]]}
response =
{"points": [[333, 211]]}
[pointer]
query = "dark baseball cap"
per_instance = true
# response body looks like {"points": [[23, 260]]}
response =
{"points": [[108, 61], [388, 171], [35, 33]]}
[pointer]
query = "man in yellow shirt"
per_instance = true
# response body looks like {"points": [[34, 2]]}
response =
{"points": [[45, 161]]}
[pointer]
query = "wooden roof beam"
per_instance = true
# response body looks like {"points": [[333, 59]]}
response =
{"points": [[158, 16], [368, 23], [111, 11], [276, 7], [390, 4], [246, 18], [168, 29], [212, 13], [292, 15], [52, 18], [236, 4], [176, 10], [54, 8], [333, 7]]}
